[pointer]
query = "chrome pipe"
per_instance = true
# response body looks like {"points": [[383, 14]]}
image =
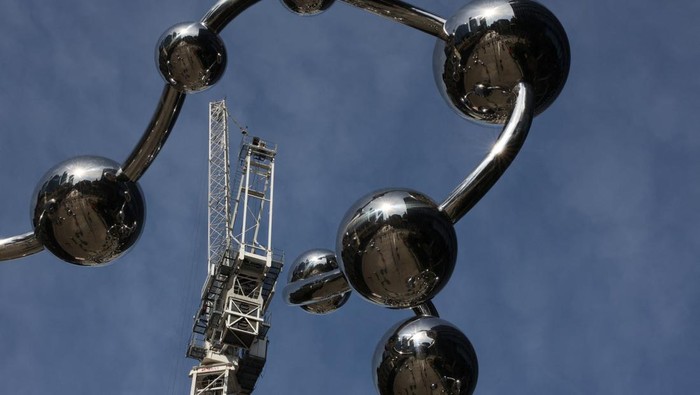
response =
{"points": [[172, 99], [224, 12], [406, 14], [477, 184], [157, 132], [426, 309], [19, 246], [317, 288]]}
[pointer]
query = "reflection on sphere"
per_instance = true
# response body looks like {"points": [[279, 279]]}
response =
{"points": [[425, 355], [397, 249], [493, 45], [191, 57], [307, 7], [86, 215], [316, 263]]}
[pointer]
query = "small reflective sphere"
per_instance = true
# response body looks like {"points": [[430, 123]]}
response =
{"points": [[84, 214], [191, 57], [397, 249], [317, 263], [425, 355], [307, 7], [494, 44]]}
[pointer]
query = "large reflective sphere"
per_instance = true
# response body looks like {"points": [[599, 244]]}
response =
{"points": [[307, 7], [425, 355], [397, 249], [84, 214], [191, 57], [494, 44], [316, 264]]}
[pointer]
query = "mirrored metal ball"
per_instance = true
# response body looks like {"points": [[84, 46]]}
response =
{"points": [[191, 57], [84, 214], [425, 355], [494, 44], [397, 249], [307, 7], [318, 263]]}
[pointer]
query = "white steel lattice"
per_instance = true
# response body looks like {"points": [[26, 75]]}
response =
{"points": [[219, 189], [229, 330], [217, 380], [246, 297], [219, 236], [255, 179]]}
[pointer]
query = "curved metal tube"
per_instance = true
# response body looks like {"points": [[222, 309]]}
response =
{"points": [[223, 12], [426, 309], [316, 289], [405, 13], [509, 142], [171, 99], [19, 246], [155, 135]]}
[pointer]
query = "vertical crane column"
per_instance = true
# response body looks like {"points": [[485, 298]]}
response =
{"points": [[247, 298], [230, 329]]}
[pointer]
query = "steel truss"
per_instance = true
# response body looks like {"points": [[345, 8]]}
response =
{"points": [[230, 329]]}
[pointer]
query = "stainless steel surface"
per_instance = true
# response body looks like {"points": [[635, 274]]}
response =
{"points": [[85, 214], [425, 355], [191, 57], [495, 62], [224, 12], [492, 46], [155, 135], [19, 246], [312, 263], [183, 41], [404, 13], [426, 309], [316, 283], [478, 182], [396, 248], [307, 7]]}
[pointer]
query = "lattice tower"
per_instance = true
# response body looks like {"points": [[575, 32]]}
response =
{"points": [[230, 328]]}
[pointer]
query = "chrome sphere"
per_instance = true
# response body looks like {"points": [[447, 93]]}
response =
{"points": [[397, 249], [84, 214], [318, 263], [191, 57], [425, 355], [491, 46], [307, 7]]}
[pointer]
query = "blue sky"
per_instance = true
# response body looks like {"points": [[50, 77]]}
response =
{"points": [[577, 274]]}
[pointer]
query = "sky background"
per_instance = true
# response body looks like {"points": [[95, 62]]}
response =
{"points": [[578, 273]]}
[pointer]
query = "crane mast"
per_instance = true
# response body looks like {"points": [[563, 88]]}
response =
{"points": [[229, 334]]}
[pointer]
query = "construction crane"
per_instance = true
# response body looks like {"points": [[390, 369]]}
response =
{"points": [[229, 334]]}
